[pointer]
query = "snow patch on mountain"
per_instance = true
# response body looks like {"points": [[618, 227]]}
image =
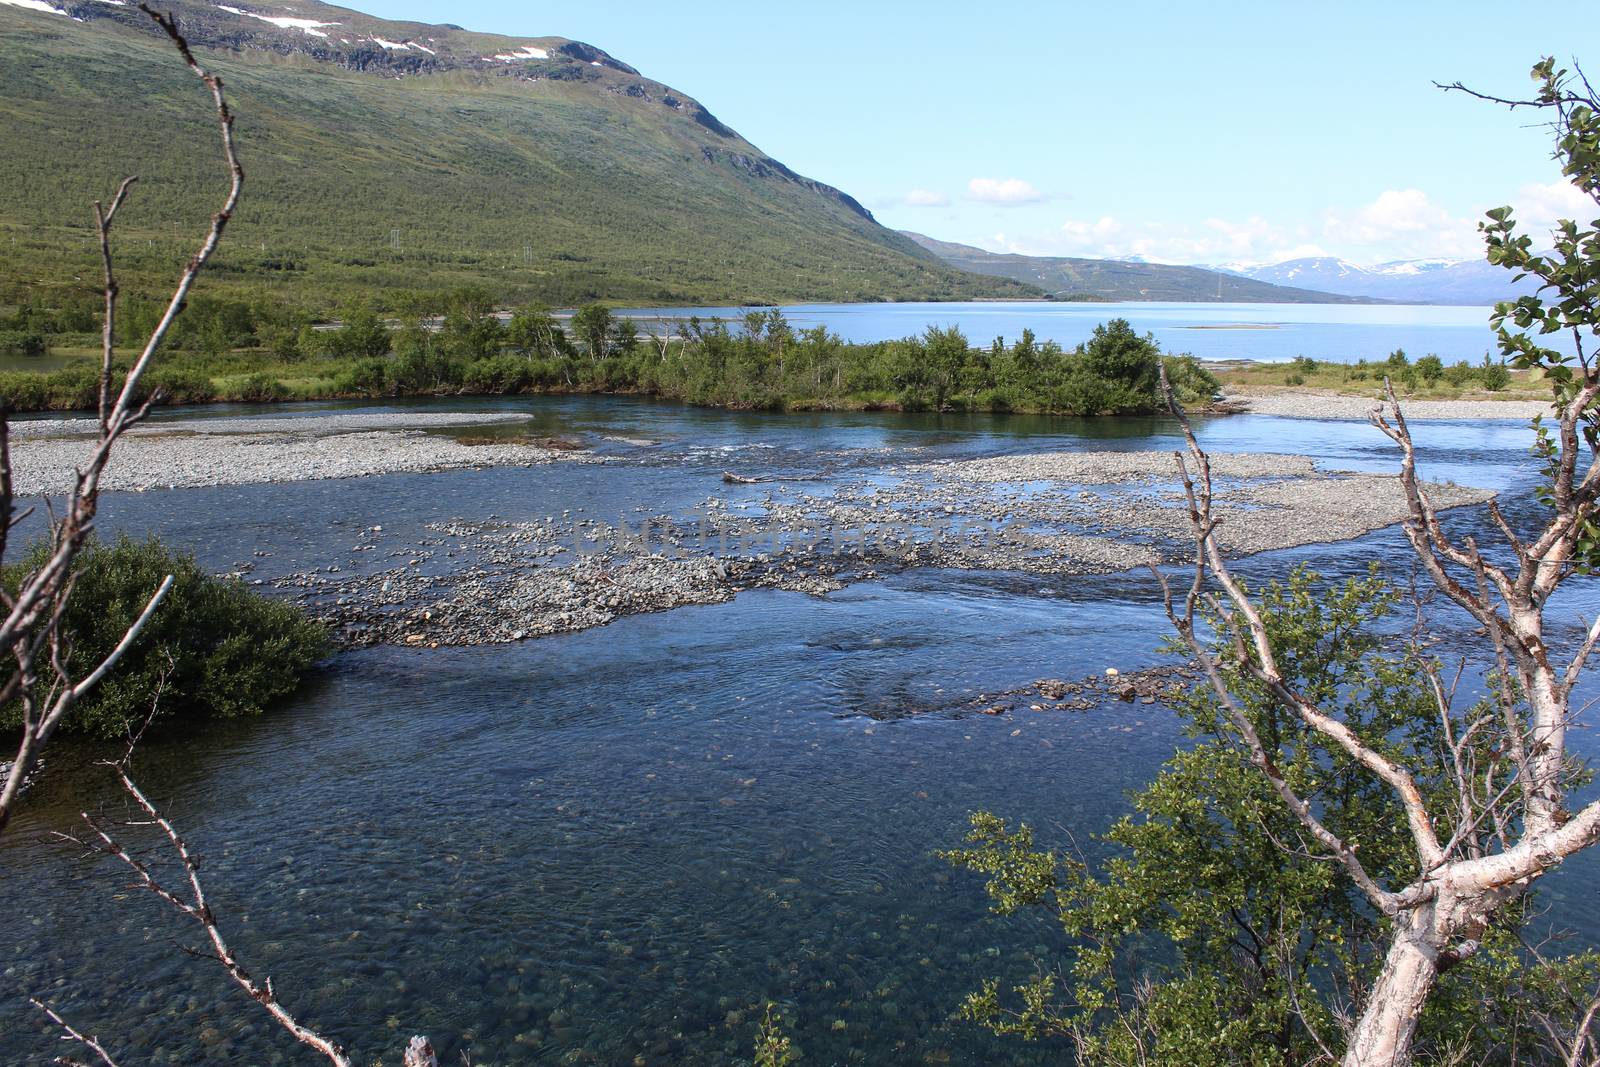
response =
{"points": [[1408, 281], [401, 46], [35, 5], [1416, 266], [283, 22], [527, 51]]}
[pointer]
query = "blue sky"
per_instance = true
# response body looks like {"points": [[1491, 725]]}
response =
{"points": [[1204, 133]]}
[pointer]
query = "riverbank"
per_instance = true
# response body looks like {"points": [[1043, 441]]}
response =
{"points": [[190, 453], [1308, 404]]}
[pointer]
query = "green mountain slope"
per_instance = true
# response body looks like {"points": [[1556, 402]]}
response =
{"points": [[1108, 279], [401, 155]]}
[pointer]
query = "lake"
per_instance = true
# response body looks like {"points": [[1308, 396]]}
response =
{"points": [[1342, 333], [612, 846]]}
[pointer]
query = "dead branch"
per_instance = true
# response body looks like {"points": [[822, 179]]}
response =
{"points": [[69, 1034], [32, 621], [195, 906]]}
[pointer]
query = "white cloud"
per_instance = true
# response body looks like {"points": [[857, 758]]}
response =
{"points": [[1214, 240], [1396, 224], [1103, 231], [1401, 224], [924, 198], [1539, 206], [1003, 191]]}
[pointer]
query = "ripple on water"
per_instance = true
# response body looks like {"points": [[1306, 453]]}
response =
{"points": [[617, 843]]}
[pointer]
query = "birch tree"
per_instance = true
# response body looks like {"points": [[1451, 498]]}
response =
{"points": [[1511, 820], [1367, 865]]}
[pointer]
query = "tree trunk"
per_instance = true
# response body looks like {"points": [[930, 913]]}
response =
{"points": [[1382, 1036]]}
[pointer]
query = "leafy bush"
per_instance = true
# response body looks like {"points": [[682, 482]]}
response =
{"points": [[1494, 376], [1127, 363], [1459, 373], [1431, 368], [22, 343], [258, 388], [213, 647], [1190, 380], [180, 385], [1237, 934]]}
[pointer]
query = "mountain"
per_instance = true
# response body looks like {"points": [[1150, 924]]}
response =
{"points": [[385, 154], [1411, 281], [1112, 279]]}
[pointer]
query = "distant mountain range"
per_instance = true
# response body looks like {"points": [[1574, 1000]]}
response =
{"points": [[1409, 281], [1110, 279], [1318, 280]]}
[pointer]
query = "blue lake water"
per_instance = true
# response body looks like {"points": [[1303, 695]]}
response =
{"points": [[1341, 333], [611, 846]]}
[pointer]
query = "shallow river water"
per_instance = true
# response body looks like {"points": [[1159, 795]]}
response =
{"points": [[611, 846]]}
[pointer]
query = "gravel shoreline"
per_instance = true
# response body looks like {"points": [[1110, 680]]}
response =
{"points": [[1333, 406], [191, 453]]}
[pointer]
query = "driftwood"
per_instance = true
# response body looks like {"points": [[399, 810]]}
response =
{"points": [[738, 479]]}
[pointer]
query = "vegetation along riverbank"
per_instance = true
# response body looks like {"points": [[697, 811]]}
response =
{"points": [[456, 345]]}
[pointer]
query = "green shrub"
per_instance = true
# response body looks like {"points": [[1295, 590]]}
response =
{"points": [[1190, 380], [22, 343], [213, 647], [258, 388], [1431, 368], [1494, 376], [498, 374], [1459, 373], [24, 391], [365, 377], [179, 385]]}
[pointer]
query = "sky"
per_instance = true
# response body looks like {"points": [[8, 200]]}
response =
{"points": [[1222, 132]]}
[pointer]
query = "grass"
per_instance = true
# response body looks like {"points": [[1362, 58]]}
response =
{"points": [[563, 192], [1357, 380]]}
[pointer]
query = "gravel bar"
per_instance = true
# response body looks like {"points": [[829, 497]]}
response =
{"points": [[189, 453], [1057, 514], [1334, 406]]}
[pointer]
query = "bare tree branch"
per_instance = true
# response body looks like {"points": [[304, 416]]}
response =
{"points": [[196, 907], [69, 1034], [33, 614]]}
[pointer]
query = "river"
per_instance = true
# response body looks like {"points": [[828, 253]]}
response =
{"points": [[611, 846]]}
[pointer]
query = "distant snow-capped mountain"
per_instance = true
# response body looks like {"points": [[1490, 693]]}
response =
{"points": [[1408, 281]]}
